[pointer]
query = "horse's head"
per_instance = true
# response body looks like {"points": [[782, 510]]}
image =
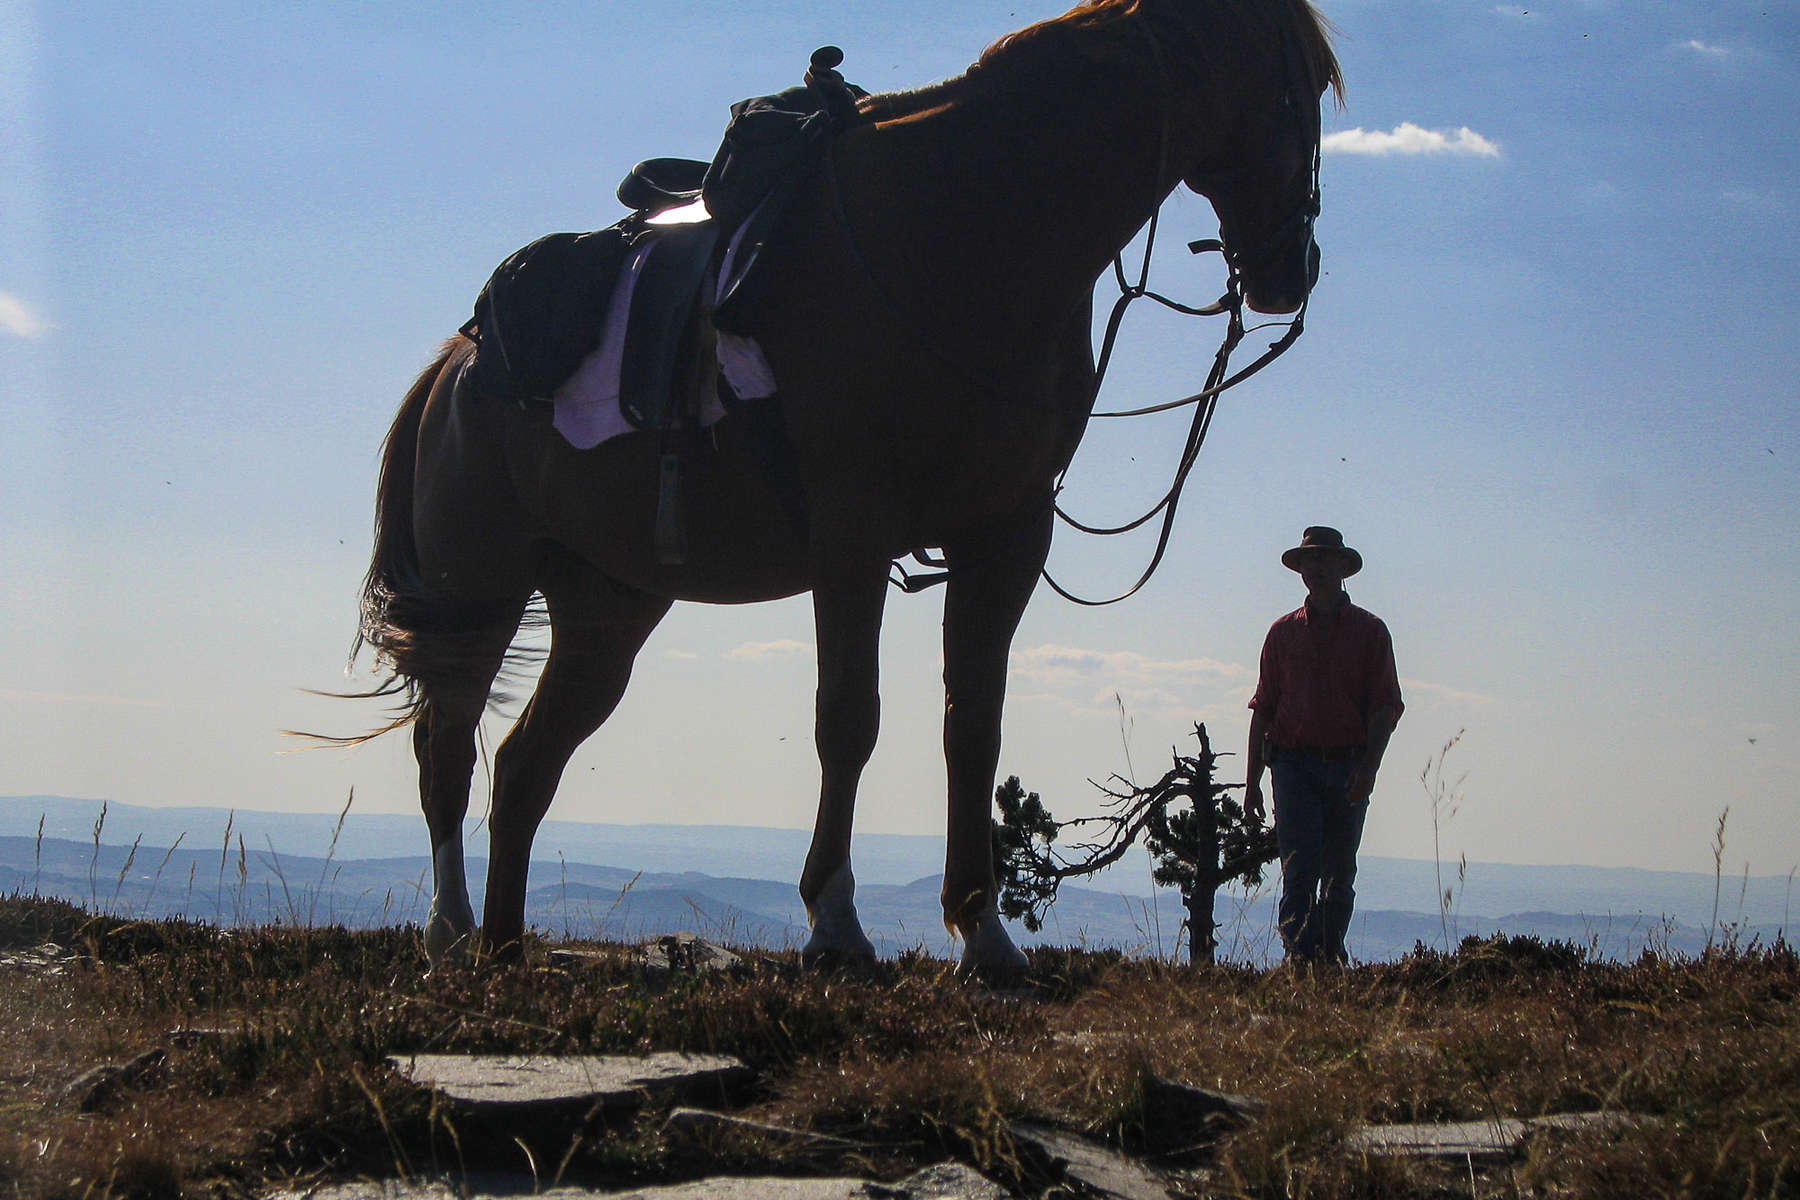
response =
{"points": [[1262, 177]]}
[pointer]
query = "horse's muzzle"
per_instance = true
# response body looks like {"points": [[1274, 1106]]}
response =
{"points": [[1277, 298]]}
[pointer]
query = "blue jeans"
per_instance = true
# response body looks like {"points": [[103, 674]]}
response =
{"points": [[1319, 831]]}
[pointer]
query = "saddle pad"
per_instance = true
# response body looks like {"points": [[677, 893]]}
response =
{"points": [[586, 405]]}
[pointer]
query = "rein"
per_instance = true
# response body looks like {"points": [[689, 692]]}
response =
{"points": [[1218, 381]]}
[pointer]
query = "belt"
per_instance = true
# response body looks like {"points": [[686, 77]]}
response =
{"points": [[1323, 753]]}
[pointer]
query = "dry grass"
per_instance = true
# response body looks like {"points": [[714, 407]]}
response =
{"points": [[903, 1061]]}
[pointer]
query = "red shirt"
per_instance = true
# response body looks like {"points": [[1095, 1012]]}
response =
{"points": [[1323, 677]]}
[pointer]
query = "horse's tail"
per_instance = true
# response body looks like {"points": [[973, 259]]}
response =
{"points": [[397, 609]]}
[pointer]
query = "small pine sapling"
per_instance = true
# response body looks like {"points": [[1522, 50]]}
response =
{"points": [[1198, 833], [1205, 845], [1021, 840]]}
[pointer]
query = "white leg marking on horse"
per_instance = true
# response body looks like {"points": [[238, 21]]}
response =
{"points": [[451, 921], [836, 930], [987, 947]]}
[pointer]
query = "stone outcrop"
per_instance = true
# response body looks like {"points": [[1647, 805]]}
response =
{"points": [[1094, 1166], [1491, 1141], [543, 1087], [946, 1181]]}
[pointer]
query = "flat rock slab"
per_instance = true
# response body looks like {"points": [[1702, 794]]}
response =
{"points": [[1582, 1122], [1483, 1141], [1100, 1168], [530, 1083], [946, 1181]]}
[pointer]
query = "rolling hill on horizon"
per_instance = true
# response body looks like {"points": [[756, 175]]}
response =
{"points": [[735, 884]]}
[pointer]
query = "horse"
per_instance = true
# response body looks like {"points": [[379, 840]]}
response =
{"points": [[927, 315]]}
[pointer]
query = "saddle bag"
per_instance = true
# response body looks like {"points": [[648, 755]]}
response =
{"points": [[537, 316]]}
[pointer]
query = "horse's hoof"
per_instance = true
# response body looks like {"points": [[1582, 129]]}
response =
{"points": [[989, 954], [1005, 977], [448, 942], [840, 949], [837, 937], [832, 958]]}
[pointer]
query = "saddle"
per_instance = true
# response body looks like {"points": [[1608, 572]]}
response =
{"points": [[542, 311], [696, 233]]}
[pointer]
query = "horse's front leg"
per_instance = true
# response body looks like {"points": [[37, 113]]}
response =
{"points": [[847, 605], [991, 580]]}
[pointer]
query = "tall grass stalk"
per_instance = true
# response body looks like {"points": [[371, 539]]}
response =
{"points": [[1787, 900], [1126, 725], [1445, 800], [119, 883], [1743, 912], [224, 853], [1718, 855], [243, 881], [287, 896], [330, 854], [600, 926], [162, 866], [562, 895], [94, 860]]}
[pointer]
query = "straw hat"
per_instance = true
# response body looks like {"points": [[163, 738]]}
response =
{"points": [[1318, 541]]}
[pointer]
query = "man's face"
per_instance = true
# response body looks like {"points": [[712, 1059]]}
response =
{"points": [[1323, 576]]}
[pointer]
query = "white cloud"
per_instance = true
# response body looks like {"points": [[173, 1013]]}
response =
{"points": [[1704, 49], [18, 319], [765, 651], [1052, 665], [1407, 138], [1179, 691], [1440, 693], [1095, 683], [1749, 198]]}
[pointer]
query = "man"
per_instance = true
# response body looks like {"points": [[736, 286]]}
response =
{"points": [[1326, 702]]}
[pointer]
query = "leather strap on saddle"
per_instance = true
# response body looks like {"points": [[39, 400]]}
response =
{"points": [[663, 307]]}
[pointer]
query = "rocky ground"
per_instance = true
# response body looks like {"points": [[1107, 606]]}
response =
{"points": [[159, 1061]]}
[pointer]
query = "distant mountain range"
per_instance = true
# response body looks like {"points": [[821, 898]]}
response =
{"points": [[735, 884]]}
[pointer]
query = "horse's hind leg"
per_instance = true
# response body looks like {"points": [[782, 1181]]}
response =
{"points": [[444, 744], [597, 628]]}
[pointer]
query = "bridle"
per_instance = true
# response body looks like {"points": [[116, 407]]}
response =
{"points": [[1302, 106]]}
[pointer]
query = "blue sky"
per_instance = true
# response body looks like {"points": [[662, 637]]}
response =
{"points": [[1547, 388]]}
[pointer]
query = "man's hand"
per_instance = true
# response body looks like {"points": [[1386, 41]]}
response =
{"points": [[1362, 782], [1253, 803]]}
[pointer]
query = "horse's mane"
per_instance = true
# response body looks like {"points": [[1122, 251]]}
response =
{"points": [[1089, 15]]}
